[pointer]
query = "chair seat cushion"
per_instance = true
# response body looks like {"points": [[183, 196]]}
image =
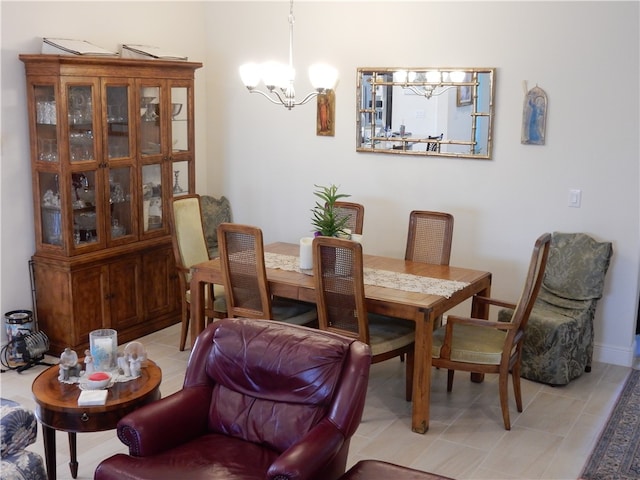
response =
{"points": [[472, 344], [219, 304], [387, 334], [211, 457], [297, 313]]}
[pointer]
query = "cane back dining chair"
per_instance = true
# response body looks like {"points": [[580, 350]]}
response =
{"points": [[355, 214], [483, 346], [339, 282], [190, 248], [559, 343], [429, 237], [434, 146], [245, 279], [429, 240]]}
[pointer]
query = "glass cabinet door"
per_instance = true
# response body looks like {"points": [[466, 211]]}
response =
{"points": [[180, 178], [50, 214], [86, 224], [80, 120], [152, 198], [46, 123], [117, 121], [150, 121], [179, 120], [181, 141], [120, 204]]}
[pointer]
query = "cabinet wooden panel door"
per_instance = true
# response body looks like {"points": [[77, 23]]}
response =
{"points": [[90, 287], [159, 296], [124, 297]]}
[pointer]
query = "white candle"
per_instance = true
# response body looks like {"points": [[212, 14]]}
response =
{"points": [[306, 253]]}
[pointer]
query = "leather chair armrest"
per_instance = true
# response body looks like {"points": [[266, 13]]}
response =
{"points": [[167, 423], [310, 455]]}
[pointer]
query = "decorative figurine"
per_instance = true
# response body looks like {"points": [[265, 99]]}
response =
{"points": [[136, 350], [68, 365], [134, 365], [88, 362], [123, 365]]}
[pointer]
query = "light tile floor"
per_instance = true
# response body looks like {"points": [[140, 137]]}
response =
{"points": [[550, 439]]}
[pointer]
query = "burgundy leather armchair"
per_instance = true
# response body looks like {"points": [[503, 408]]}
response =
{"points": [[261, 400]]}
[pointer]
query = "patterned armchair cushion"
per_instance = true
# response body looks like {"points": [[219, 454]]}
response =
{"points": [[18, 430], [18, 427], [576, 266], [214, 212]]}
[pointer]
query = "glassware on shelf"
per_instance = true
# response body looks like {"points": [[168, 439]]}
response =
{"points": [[48, 149], [117, 230], [150, 109], [176, 108], [176, 186]]}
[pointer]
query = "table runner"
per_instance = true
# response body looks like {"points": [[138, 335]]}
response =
{"points": [[379, 278]]}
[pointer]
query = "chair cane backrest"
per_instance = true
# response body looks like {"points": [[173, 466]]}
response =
{"points": [[532, 284], [189, 242], [245, 276], [429, 238], [355, 214], [338, 273]]}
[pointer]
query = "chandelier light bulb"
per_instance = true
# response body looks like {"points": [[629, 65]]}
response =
{"points": [[434, 76], [250, 75], [457, 76], [400, 76], [323, 77]]}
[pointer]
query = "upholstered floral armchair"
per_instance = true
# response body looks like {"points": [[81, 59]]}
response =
{"points": [[214, 212], [18, 430], [558, 344]]}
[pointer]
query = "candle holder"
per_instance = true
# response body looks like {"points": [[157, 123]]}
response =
{"points": [[103, 345]]}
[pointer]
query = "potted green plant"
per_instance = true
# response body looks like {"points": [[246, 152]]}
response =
{"points": [[326, 219]]}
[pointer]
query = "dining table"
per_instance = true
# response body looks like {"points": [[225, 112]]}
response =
{"points": [[415, 291]]}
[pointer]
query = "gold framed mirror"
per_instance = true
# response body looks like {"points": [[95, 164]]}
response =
{"points": [[446, 112]]}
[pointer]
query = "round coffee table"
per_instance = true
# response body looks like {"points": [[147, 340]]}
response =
{"points": [[57, 409]]}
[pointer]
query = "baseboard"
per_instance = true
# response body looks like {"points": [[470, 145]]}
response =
{"points": [[615, 355]]}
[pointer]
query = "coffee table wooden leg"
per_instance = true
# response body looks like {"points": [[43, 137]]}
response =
{"points": [[49, 438], [73, 464]]}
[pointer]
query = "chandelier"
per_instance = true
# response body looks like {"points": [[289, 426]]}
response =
{"points": [[430, 83], [278, 78]]}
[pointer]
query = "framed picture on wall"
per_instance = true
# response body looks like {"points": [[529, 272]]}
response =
{"points": [[326, 114], [463, 97]]}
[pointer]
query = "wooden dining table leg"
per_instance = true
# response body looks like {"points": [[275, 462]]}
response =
{"points": [[197, 306], [422, 371]]}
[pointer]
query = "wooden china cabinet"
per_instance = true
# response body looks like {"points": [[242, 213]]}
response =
{"points": [[112, 141]]}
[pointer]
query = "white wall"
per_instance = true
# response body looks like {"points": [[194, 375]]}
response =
{"points": [[266, 159]]}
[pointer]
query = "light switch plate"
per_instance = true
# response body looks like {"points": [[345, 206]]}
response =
{"points": [[575, 198]]}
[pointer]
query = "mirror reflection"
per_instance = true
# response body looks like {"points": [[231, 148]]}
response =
{"points": [[425, 111]]}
